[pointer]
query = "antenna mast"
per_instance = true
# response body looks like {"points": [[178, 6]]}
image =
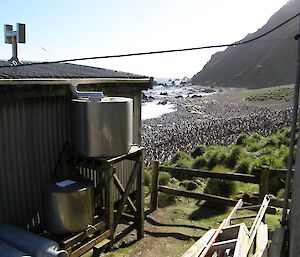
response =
{"points": [[14, 37]]}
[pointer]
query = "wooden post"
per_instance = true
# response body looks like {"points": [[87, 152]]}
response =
{"points": [[109, 202], [140, 197], [154, 186], [264, 183]]}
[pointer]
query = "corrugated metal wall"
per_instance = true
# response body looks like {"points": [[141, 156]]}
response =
{"points": [[32, 133], [33, 130]]}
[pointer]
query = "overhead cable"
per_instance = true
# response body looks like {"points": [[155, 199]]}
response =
{"points": [[238, 43]]}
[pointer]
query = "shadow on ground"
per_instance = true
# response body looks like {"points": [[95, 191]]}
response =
{"points": [[165, 200], [176, 235], [155, 223], [207, 210]]}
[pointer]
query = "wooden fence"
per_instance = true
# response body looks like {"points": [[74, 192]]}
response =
{"points": [[260, 176]]}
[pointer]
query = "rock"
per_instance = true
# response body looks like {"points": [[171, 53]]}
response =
{"points": [[163, 93], [246, 197], [208, 90], [199, 182], [191, 186], [163, 102], [196, 96], [179, 96], [144, 97]]}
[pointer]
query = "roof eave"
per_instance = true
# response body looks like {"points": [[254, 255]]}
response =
{"points": [[79, 81]]}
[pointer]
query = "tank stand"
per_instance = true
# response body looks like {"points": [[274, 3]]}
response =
{"points": [[130, 206]]}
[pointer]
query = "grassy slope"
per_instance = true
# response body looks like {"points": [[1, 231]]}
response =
{"points": [[284, 93], [170, 235]]}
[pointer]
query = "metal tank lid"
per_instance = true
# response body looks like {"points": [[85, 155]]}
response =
{"points": [[67, 185]]}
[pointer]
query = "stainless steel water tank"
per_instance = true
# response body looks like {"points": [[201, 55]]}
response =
{"points": [[68, 205], [102, 128]]}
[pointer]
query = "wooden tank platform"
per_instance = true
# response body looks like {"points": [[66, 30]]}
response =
{"points": [[110, 213]]}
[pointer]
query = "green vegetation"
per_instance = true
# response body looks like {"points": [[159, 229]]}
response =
{"points": [[198, 151], [181, 160], [283, 93], [164, 178], [147, 177], [199, 162], [250, 151]]}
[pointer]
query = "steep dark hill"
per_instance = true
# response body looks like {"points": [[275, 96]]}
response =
{"points": [[268, 61]]}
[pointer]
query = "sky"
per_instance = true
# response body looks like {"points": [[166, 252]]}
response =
{"points": [[65, 29]]}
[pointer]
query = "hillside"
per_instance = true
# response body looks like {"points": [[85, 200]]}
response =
{"points": [[265, 62]]}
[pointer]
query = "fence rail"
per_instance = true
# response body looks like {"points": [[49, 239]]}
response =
{"points": [[207, 174], [260, 177]]}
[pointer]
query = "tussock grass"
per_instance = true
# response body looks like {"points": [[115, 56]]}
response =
{"points": [[250, 151]]}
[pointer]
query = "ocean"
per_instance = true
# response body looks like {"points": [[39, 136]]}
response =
{"points": [[152, 107]]}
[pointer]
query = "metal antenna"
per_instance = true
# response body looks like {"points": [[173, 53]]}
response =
{"points": [[14, 37]]}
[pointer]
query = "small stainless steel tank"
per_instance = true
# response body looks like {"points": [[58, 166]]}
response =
{"points": [[102, 128], [68, 205]]}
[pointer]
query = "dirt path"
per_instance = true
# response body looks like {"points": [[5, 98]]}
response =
{"points": [[169, 231]]}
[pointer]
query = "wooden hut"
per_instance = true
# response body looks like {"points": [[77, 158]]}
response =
{"points": [[35, 124]]}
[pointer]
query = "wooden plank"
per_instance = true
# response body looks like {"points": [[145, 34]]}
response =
{"points": [[230, 232], [232, 214], [198, 247], [244, 217], [90, 244], [124, 197], [261, 241], [263, 183], [251, 207], [270, 210], [154, 186], [224, 224], [124, 232], [282, 172], [74, 239], [258, 220], [140, 219], [260, 215], [241, 248], [223, 245], [208, 174], [276, 246], [121, 189], [109, 203], [279, 203], [207, 248], [102, 244], [200, 196], [273, 202]]}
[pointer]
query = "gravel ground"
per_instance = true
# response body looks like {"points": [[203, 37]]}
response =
{"points": [[209, 120]]}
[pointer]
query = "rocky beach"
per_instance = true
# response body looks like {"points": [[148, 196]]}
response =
{"points": [[217, 118]]}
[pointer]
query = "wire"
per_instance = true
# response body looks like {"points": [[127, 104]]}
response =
{"points": [[161, 51]]}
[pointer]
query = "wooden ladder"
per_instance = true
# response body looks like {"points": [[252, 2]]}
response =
{"points": [[234, 240]]}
